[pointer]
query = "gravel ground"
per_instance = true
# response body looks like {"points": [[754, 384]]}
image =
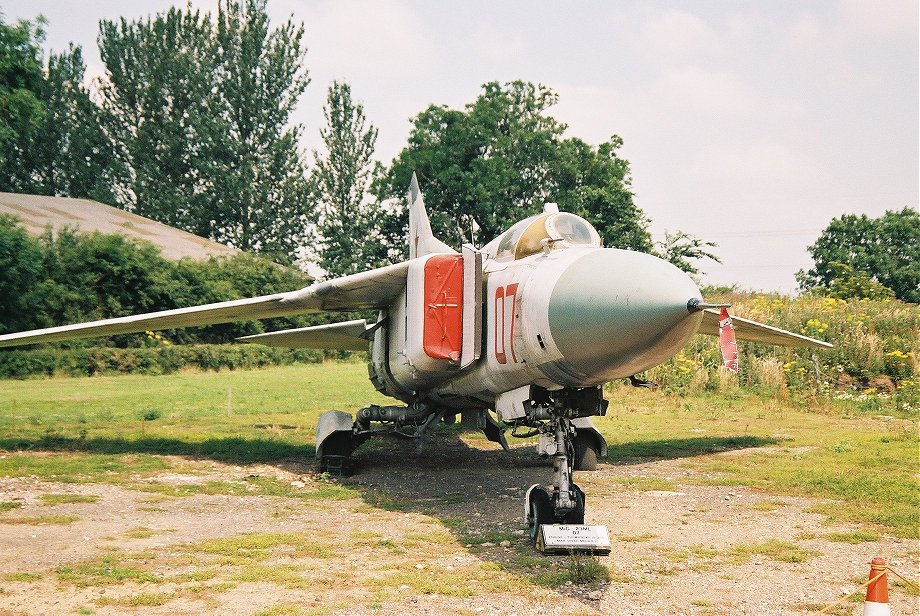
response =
{"points": [[675, 551]]}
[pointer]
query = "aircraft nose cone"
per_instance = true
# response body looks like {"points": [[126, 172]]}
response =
{"points": [[614, 313]]}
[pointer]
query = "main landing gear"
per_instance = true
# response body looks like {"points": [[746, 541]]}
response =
{"points": [[337, 436], [561, 419]]}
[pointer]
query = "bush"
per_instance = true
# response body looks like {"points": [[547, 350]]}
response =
{"points": [[72, 277], [89, 361], [875, 342]]}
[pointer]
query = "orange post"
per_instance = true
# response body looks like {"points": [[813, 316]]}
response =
{"points": [[877, 593]]}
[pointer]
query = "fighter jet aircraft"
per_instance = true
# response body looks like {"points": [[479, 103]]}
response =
{"points": [[528, 327]]}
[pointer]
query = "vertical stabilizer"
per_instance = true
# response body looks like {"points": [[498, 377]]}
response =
{"points": [[421, 240]]}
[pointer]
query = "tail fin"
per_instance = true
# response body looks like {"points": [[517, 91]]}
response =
{"points": [[421, 240]]}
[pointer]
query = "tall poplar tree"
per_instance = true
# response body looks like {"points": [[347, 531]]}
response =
{"points": [[51, 138], [201, 106], [260, 183], [73, 156], [347, 220], [158, 97]]}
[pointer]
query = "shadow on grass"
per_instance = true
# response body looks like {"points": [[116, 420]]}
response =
{"points": [[241, 451], [476, 490], [478, 493], [671, 448], [238, 451]]}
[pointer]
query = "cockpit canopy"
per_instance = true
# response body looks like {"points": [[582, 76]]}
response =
{"points": [[529, 236]]}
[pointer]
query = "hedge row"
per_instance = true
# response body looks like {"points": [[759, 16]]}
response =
{"points": [[21, 364]]}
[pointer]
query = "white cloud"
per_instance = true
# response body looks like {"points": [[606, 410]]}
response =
{"points": [[365, 39], [879, 18], [676, 35], [492, 44], [697, 90]]}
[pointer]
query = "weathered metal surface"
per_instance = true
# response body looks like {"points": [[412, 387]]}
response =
{"points": [[330, 423], [348, 335]]}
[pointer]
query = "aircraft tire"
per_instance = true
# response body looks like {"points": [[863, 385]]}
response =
{"points": [[336, 457], [541, 512], [585, 452]]}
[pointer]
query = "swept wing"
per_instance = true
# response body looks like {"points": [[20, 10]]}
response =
{"points": [[752, 331], [349, 336], [372, 289]]}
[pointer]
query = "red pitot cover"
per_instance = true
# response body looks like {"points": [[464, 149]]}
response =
{"points": [[727, 341]]}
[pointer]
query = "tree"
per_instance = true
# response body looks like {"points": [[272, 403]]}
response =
{"points": [[500, 158], [261, 186], [201, 108], [160, 109], [595, 183], [70, 277], [51, 138], [21, 110], [72, 153], [886, 249], [347, 222], [88, 276], [680, 248], [20, 272], [847, 283]]}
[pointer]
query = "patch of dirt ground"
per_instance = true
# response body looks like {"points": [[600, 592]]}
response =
{"points": [[433, 533]]}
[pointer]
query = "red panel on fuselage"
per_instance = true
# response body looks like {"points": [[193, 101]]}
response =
{"points": [[443, 327]]}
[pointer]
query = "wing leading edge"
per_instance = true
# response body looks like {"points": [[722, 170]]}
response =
{"points": [[372, 289], [753, 331]]}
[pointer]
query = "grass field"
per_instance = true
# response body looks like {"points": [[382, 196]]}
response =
{"points": [[863, 465], [111, 436]]}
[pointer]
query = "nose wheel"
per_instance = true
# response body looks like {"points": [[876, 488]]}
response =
{"points": [[539, 511]]}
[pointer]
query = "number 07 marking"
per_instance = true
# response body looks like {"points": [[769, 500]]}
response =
{"points": [[502, 316]]}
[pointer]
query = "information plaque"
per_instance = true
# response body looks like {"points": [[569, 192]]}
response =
{"points": [[569, 538]]}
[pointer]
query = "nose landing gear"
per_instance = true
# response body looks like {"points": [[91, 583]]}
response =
{"points": [[566, 503]]}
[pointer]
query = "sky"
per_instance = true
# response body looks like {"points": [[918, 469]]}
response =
{"points": [[751, 124]]}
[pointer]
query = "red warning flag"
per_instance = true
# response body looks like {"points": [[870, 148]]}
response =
{"points": [[727, 341]]}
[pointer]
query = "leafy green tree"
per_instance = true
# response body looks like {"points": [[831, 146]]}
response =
{"points": [[500, 159], [847, 283], [201, 107], [884, 249], [20, 272], [21, 110], [87, 276], [157, 94], [72, 153], [347, 221], [51, 138], [261, 185], [188, 283], [70, 277], [595, 183], [681, 249]]}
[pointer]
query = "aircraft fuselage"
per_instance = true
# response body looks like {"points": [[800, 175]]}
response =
{"points": [[574, 317]]}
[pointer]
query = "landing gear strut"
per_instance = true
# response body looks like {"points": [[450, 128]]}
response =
{"points": [[566, 503], [337, 436]]}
